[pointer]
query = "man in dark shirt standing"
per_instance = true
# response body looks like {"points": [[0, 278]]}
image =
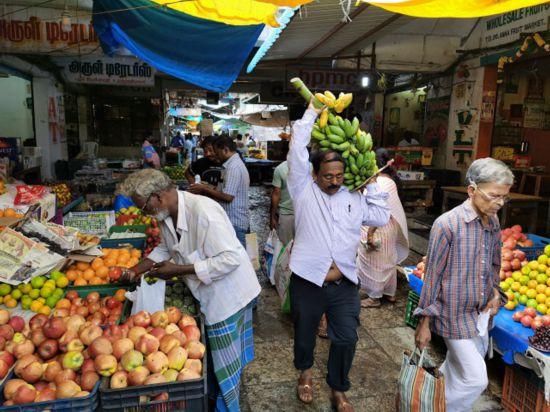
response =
{"points": [[207, 167]]}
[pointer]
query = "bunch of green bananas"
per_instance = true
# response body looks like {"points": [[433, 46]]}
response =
{"points": [[352, 143]]}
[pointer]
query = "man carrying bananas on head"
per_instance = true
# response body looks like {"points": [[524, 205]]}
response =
{"points": [[328, 230]]}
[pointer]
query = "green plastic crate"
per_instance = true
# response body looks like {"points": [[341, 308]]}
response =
{"points": [[105, 290], [412, 303]]}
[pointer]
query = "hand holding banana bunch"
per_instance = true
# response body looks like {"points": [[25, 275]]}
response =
{"points": [[332, 132]]}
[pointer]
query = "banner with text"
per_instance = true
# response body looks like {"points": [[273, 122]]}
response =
{"points": [[507, 27], [40, 30], [118, 71]]}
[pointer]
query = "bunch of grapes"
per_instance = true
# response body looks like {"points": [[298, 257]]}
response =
{"points": [[541, 338]]}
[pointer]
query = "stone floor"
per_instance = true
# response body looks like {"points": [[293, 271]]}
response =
{"points": [[269, 383]]}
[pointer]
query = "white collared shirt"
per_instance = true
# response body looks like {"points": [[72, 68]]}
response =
{"points": [[225, 281], [328, 228]]}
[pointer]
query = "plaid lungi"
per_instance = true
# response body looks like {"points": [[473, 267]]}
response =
{"points": [[231, 345]]}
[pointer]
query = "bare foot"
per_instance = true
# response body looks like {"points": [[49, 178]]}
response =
{"points": [[370, 303], [341, 402], [305, 386]]}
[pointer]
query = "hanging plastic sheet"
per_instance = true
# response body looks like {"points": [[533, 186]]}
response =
{"points": [[453, 8], [203, 52]]}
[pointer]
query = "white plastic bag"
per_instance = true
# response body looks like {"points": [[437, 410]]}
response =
{"points": [[148, 297], [272, 249]]}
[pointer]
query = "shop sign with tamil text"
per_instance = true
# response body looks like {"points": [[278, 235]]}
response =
{"points": [[117, 71], [327, 79], [40, 30], [507, 27]]}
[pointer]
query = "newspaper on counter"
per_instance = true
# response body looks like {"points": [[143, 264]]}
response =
{"points": [[22, 258]]}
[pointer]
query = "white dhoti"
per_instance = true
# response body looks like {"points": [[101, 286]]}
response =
{"points": [[465, 372]]}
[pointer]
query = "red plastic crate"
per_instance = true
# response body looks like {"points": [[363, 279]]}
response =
{"points": [[522, 391]]}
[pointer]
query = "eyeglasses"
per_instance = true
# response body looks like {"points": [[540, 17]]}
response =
{"points": [[146, 203], [492, 198]]}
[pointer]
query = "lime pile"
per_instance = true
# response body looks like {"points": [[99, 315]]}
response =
{"points": [[40, 295]]}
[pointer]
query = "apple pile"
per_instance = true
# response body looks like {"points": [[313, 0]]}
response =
{"points": [[419, 271], [153, 237], [530, 319], [100, 311], [158, 348], [513, 237], [56, 358], [132, 216], [512, 258]]}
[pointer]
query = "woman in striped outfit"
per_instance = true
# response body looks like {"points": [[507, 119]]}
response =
{"points": [[382, 248]]}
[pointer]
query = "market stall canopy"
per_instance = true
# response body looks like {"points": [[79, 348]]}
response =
{"points": [[211, 54], [277, 118], [234, 12], [452, 8]]}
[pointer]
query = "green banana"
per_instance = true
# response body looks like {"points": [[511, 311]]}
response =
{"points": [[354, 125], [335, 138], [361, 142], [345, 155], [348, 176], [360, 160], [351, 160], [337, 130], [347, 128], [324, 149], [353, 150], [318, 135], [343, 146], [340, 122], [368, 142], [332, 119], [325, 143], [354, 169]]}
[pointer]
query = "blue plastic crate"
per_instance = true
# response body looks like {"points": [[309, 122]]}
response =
{"points": [[539, 243]]}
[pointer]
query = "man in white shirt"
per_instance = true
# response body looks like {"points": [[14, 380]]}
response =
{"points": [[328, 221], [200, 245]]}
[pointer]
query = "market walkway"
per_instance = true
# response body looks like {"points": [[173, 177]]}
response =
{"points": [[268, 384]]}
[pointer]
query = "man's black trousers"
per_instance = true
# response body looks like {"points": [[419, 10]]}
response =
{"points": [[340, 301]]}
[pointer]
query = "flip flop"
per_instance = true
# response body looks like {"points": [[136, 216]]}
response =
{"points": [[370, 303], [343, 405], [305, 388]]}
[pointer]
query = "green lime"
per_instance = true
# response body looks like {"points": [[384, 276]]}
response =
{"points": [[16, 294], [58, 293], [62, 282], [50, 283], [34, 293], [25, 288], [51, 301], [38, 282], [56, 274], [46, 292], [5, 289]]}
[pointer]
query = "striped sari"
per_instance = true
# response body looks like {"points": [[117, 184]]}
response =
{"points": [[231, 346]]}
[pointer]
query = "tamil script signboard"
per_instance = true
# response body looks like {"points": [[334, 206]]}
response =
{"points": [[39, 30], [327, 79], [507, 27], [118, 71]]}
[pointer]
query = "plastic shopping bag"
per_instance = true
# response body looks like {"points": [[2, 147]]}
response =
{"points": [[420, 387], [148, 297], [252, 249], [272, 249], [282, 276]]}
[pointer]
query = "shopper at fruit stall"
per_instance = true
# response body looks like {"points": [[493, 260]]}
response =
{"points": [[233, 193], [150, 155], [383, 248], [328, 228], [208, 168], [198, 238], [177, 141], [460, 286], [189, 146]]}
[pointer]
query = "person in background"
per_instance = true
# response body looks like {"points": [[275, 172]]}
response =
{"points": [[233, 194], [200, 246], [177, 141], [151, 158], [207, 167], [377, 260], [324, 280], [282, 212], [189, 146], [460, 291], [408, 140]]}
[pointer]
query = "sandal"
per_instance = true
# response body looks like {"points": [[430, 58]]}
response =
{"points": [[305, 390], [342, 405], [370, 303]]}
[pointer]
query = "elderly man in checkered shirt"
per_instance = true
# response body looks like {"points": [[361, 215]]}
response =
{"points": [[460, 289]]}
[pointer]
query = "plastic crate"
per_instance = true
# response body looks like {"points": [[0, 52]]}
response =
{"points": [[412, 303], [105, 290], [539, 243], [138, 243], [88, 403], [94, 223], [189, 396], [522, 391]]}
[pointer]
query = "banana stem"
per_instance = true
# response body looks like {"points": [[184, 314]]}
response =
{"points": [[303, 91]]}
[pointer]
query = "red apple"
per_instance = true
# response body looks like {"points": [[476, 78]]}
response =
{"points": [[87, 366], [119, 380], [186, 320], [37, 337], [171, 328], [54, 328], [100, 346], [45, 395], [11, 387], [67, 389], [177, 358], [51, 371], [26, 347], [4, 316], [180, 336], [7, 332], [159, 319], [174, 314], [194, 365], [530, 312], [527, 321], [188, 375], [142, 319], [65, 375], [157, 362], [158, 332], [89, 334], [154, 379], [8, 358], [23, 363], [82, 311], [135, 333], [48, 349], [147, 344], [192, 332], [72, 295], [105, 365], [93, 297], [32, 372], [4, 369], [195, 350], [131, 360], [17, 323], [137, 376], [24, 394], [88, 380]]}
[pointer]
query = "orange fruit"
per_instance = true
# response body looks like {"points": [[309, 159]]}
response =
{"points": [[95, 281], [9, 212], [80, 282], [1, 212], [133, 261], [79, 273], [88, 274], [45, 310], [114, 253], [102, 272], [72, 267], [136, 253], [106, 251], [97, 263], [109, 262], [10, 303], [119, 295], [123, 259], [63, 304], [72, 275], [82, 266]]}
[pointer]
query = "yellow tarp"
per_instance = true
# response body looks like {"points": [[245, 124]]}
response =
{"points": [[234, 12], [453, 8]]}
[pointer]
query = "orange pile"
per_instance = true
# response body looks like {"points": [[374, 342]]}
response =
{"points": [[97, 272], [9, 212]]}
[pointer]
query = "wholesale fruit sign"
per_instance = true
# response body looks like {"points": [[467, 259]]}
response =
{"points": [[118, 71]]}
